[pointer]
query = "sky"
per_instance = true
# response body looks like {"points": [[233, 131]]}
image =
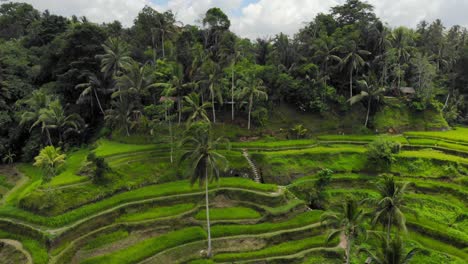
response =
{"points": [[258, 18]]}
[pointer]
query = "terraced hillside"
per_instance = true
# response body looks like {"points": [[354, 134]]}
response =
{"points": [[145, 211]]}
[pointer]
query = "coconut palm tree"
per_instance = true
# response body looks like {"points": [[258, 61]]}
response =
{"points": [[116, 57], [178, 87], [38, 100], [91, 88], [400, 40], [370, 91], [135, 81], [353, 61], [391, 252], [252, 89], [205, 162], [196, 109], [325, 54], [49, 159], [120, 115], [391, 204], [166, 28], [214, 75], [348, 222], [9, 158], [54, 118]]}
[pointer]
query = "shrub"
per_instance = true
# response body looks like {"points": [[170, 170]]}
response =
{"points": [[382, 150]]}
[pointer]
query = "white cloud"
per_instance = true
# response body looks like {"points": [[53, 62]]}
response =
{"points": [[95, 10], [260, 18], [269, 17]]}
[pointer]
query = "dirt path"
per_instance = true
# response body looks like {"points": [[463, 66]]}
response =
{"points": [[18, 246]]}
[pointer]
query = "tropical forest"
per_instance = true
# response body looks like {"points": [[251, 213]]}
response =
{"points": [[164, 142]]}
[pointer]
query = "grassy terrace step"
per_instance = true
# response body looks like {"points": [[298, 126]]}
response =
{"points": [[459, 134], [154, 191], [286, 248], [149, 247], [433, 155], [298, 221], [274, 145], [106, 239], [229, 213], [106, 148], [432, 244], [360, 138], [157, 212], [37, 250]]}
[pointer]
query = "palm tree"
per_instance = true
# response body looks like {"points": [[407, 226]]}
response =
{"points": [[348, 222], [90, 89], [168, 102], [176, 85], [205, 162], [214, 75], [400, 42], [120, 115], [9, 158], [391, 252], [325, 54], [135, 81], [54, 118], [38, 100], [370, 91], [116, 57], [353, 60], [252, 89], [391, 204], [166, 27], [49, 159], [196, 109]]}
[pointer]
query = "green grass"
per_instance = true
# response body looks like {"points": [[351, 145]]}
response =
{"points": [[72, 166], [274, 144], [157, 212], [172, 188], [229, 213], [35, 179], [287, 248], [361, 138], [149, 247], [298, 221], [432, 154], [37, 250], [106, 239], [108, 148], [459, 134], [433, 244], [437, 143]]}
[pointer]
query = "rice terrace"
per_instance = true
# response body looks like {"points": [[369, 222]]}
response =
{"points": [[154, 140]]}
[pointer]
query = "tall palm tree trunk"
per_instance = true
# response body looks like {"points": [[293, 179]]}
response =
{"points": [[99, 102], [368, 111], [207, 213], [389, 226], [232, 94], [170, 134], [351, 83], [162, 45], [348, 251], [49, 138], [179, 108], [250, 111], [213, 107]]}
